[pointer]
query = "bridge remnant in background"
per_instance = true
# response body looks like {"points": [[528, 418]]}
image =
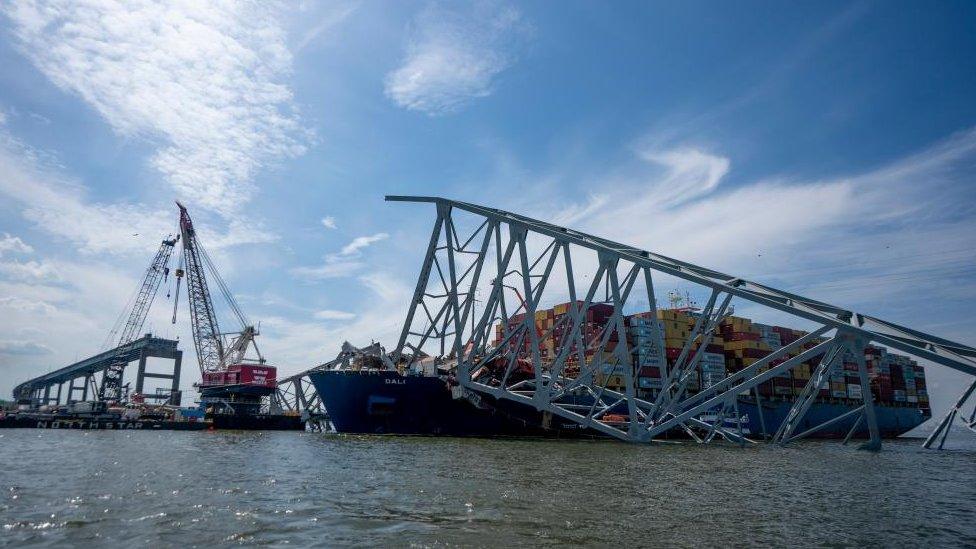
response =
{"points": [[81, 381]]}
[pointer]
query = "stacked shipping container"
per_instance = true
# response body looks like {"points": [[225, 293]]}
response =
{"points": [[736, 344]]}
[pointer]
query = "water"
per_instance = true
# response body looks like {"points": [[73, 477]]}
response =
{"points": [[174, 489]]}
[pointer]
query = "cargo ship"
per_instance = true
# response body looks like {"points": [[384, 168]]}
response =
{"points": [[387, 402], [379, 399]]}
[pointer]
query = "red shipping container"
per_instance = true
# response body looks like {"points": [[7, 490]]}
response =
{"points": [[754, 353]]}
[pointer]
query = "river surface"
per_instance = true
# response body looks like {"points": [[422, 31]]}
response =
{"points": [[180, 489]]}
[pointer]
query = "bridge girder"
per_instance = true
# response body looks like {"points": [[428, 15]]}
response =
{"points": [[515, 264]]}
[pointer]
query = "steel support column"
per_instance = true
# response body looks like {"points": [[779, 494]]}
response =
{"points": [[141, 373]]}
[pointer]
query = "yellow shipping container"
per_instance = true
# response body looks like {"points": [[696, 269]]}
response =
{"points": [[675, 316], [738, 322], [747, 344]]}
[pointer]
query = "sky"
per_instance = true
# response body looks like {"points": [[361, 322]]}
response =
{"points": [[826, 148]]}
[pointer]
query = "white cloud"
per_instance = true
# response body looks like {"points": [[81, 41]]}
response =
{"points": [[294, 345], [690, 173], [453, 58], [342, 264], [59, 206], [329, 314], [360, 242], [17, 303], [29, 270], [23, 348], [333, 268], [388, 287], [901, 229], [13, 244], [201, 80], [329, 222]]}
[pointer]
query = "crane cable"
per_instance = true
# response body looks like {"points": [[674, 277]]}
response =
{"points": [[224, 290]]}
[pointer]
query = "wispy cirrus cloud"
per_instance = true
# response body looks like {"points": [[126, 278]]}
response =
{"points": [[361, 242], [203, 81], [60, 206], [331, 314], [453, 57], [852, 238], [689, 173], [344, 263]]}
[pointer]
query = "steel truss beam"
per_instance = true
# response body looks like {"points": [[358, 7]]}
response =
{"points": [[942, 430], [486, 272]]}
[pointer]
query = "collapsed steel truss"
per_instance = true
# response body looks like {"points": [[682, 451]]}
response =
{"points": [[297, 393], [516, 260]]}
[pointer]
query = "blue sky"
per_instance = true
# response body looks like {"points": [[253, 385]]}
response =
{"points": [[828, 148]]}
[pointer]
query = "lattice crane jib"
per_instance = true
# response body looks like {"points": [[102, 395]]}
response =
{"points": [[207, 339], [216, 350], [488, 274], [111, 386]]}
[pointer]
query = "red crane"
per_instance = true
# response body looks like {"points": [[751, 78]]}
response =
{"points": [[231, 383]]}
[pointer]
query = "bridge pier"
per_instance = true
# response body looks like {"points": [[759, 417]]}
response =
{"points": [[141, 375], [174, 396]]}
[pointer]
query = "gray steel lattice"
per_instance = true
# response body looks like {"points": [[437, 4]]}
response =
{"points": [[506, 245]]}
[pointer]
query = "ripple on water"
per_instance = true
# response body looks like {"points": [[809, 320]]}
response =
{"points": [[280, 488]]}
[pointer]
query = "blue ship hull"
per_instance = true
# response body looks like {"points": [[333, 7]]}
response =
{"points": [[893, 421], [385, 402]]}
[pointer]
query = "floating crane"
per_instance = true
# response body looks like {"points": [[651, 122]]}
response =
{"points": [[232, 384]]}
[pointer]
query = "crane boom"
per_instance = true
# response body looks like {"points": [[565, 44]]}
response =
{"points": [[230, 384], [207, 339], [111, 388]]}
